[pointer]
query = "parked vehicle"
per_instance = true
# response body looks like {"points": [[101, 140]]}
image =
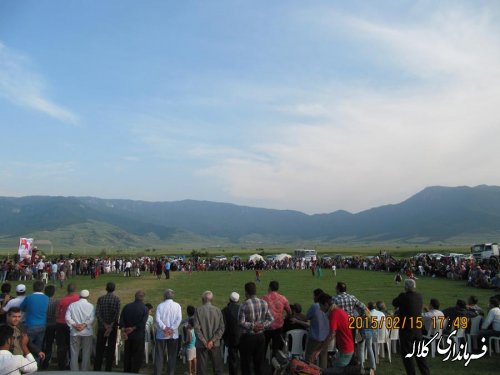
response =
{"points": [[485, 251]]}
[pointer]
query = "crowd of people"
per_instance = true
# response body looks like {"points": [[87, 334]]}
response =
{"points": [[484, 275], [30, 323]]}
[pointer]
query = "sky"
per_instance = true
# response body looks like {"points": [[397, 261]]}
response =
{"points": [[313, 106]]}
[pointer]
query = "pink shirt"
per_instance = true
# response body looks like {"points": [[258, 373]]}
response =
{"points": [[277, 305]]}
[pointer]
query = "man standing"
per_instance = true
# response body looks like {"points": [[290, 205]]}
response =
{"points": [[409, 305], [15, 302], [107, 312], [167, 269], [35, 314], [133, 325], [232, 332], [167, 319], [339, 329], [79, 317], [318, 331], [278, 304], [12, 364], [351, 305], [254, 317], [50, 330], [62, 329], [209, 328]]}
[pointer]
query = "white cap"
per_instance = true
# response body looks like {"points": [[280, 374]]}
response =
{"points": [[84, 293], [235, 297], [21, 288]]}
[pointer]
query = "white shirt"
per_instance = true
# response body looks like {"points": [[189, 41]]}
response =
{"points": [[14, 302], [432, 321], [81, 311], [493, 316], [168, 314], [16, 364]]}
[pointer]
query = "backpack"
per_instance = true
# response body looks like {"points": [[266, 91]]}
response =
{"points": [[298, 367]]}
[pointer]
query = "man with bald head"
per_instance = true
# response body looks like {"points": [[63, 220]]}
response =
{"points": [[209, 328], [409, 310], [133, 325], [167, 320]]}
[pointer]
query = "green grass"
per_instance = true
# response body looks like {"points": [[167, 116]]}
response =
{"points": [[298, 287]]}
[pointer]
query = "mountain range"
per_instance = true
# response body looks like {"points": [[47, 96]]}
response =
{"points": [[459, 215]]}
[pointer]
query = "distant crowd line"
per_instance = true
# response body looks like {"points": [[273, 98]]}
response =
{"points": [[484, 275]]}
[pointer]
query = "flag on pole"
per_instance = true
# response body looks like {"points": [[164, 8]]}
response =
{"points": [[25, 246]]}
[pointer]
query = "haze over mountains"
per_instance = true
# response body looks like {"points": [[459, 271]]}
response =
{"points": [[457, 215]]}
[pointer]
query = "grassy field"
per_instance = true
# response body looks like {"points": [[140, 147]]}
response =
{"points": [[298, 287]]}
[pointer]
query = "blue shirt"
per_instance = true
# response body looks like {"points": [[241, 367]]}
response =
{"points": [[167, 266], [35, 309], [320, 327]]}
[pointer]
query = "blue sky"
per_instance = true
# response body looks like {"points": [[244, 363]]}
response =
{"points": [[314, 106]]}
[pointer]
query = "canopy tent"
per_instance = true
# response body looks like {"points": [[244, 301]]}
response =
{"points": [[255, 258], [280, 257]]}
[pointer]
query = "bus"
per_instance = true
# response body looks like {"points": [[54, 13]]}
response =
{"points": [[307, 254]]}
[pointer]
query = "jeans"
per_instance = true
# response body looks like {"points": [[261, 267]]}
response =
{"points": [[368, 343], [36, 335], [48, 340]]}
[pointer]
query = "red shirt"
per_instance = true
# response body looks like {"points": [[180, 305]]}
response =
{"points": [[339, 322], [278, 304], [63, 306]]}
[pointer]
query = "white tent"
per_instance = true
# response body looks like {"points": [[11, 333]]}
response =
{"points": [[280, 257], [255, 258]]}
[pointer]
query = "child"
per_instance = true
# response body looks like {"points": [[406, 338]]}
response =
{"points": [[190, 347], [149, 337], [62, 277], [257, 276]]}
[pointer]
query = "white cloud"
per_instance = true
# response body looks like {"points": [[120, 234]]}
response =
{"points": [[23, 87], [371, 146]]}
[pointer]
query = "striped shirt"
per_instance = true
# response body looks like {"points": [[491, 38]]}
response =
{"points": [[254, 311]]}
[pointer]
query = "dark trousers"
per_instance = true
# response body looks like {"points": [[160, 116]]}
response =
{"points": [[105, 348], [274, 336], [133, 355], [252, 351], [233, 360], [168, 346], [50, 335], [215, 355], [62, 341], [406, 339]]}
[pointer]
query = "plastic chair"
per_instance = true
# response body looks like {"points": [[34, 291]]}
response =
{"points": [[383, 340], [394, 338], [295, 341], [497, 344], [475, 325], [432, 332], [45, 277], [117, 348]]}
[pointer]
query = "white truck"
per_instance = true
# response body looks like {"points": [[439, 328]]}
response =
{"points": [[485, 251]]}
